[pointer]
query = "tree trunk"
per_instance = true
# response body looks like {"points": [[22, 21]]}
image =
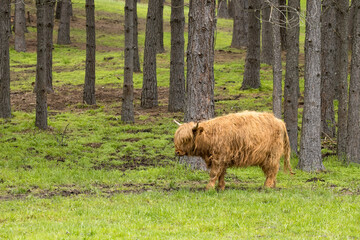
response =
{"points": [[240, 26], [328, 56], [200, 65], [292, 75], [231, 10], [277, 65], [252, 61], [41, 93], [64, 26], [127, 110], [267, 51], [58, 9], [149, 95], [310, 142], [89, 85], [5, 107], [283, 28], [223, 9], [351, 24], [137, 68], [342, 63], [177, 76], [20, 22], [353, 150], [49, 28], [160, 26]]}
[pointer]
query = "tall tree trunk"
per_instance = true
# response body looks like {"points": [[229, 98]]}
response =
{"points": [[310, 142], [20, 22], [328, 50], [267, 51], [49, 29], [283, 28], [137, 68], [277, 65], [89, 85], [149, 95], [160, 26], [353, 150], [41, 93], [292, 75], [200, 66], [223, 9], [177, 76], [231, 9], [58, 9], [240, 25], [342, 63], [127, 110], [351, 24], [252, 61], [5, 107], [64, 26]]}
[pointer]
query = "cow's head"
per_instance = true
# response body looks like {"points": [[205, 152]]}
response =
{"points": [[185, 138]]}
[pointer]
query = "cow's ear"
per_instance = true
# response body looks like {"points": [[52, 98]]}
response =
{"points": [[198, 131]]}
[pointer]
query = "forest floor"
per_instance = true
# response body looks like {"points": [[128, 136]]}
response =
{"points": [[90, 176]]}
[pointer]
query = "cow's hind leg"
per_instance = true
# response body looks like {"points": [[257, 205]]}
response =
{"points": [[222, 179], [270, 173]]}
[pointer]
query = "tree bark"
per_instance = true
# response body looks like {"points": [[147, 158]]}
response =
{"points": [[223, 9], [292, 75], [353, 150], [58, 9], [149, 95], [20, 22], [283, 28], [89, 85], [127, 110], [342, 63], [277, 64], [64, 26], [240, 25], [49, 29], [252, 61], [5, 106], [267, 51], [200, 65], [351, 24], [177, 76], [137, 68], [160, 26], [41, 93], [310, 142], [328, 56]]}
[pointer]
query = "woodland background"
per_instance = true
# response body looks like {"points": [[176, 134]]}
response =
{"points": [[90, 175]]}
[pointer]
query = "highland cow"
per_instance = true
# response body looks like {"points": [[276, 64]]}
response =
{"points": [[236, 140]]}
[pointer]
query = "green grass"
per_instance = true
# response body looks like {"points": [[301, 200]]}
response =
{"points": [[90, 176]]}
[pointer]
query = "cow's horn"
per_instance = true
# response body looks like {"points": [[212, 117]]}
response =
{"points": [[177, 122], [196, 126]]}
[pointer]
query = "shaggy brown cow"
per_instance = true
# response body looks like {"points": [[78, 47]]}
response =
{"points": [[240, 140]]}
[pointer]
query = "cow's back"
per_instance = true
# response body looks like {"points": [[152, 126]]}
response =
{"points": [[243, 139]]}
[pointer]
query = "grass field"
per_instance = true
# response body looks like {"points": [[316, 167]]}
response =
{"points": [[90, 176]]}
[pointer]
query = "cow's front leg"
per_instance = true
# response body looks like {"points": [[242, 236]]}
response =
{"points": [[216, 172]]}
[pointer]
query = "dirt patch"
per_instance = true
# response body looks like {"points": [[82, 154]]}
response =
{"points": [[132, 163], [315, 179], [69, 98]]}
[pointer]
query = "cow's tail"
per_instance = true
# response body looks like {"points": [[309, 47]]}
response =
{"points": [[287, 152]]}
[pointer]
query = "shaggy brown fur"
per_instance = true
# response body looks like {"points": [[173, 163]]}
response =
{"points": [[239, 140]]}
